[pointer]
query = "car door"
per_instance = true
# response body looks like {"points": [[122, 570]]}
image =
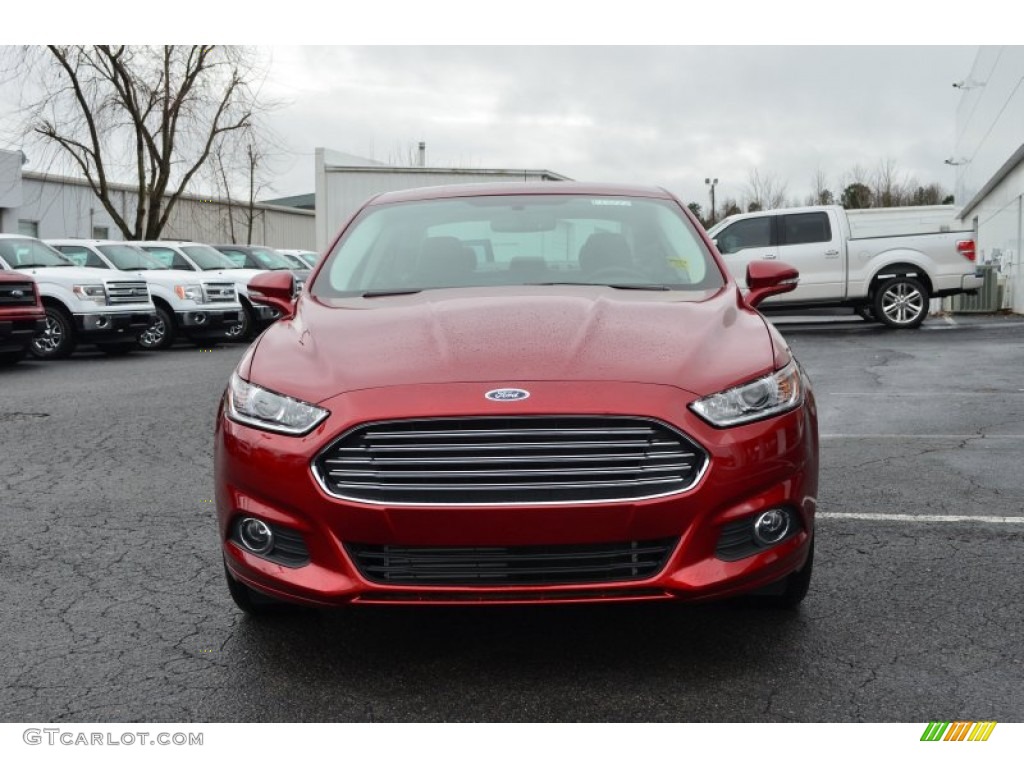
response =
{"points": [[746, 240], [809, 242]]}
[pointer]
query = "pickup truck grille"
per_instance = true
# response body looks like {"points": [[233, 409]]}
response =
{"points": [[512, 566], [19, 294], [512, 460], [128, 293], [219, 292]]}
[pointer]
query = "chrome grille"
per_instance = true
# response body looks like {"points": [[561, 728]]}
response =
{"points": [[514, 460], [219, 292], [127, 293], [512, 566], [17, 294]]}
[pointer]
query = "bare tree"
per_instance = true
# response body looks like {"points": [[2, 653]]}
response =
{"points": [[820, 194], [764, 192], [889, 187], [152, 114]]}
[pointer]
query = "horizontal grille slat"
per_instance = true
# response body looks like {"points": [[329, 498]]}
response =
{"points": [[512, 566], [219, 292], [512, 460], [127, 293]]}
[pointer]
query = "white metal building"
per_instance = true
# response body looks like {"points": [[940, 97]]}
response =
{"points": [[989, 161], [344, 182], [49, 206]]}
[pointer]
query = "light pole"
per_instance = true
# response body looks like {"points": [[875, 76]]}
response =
{"points": [[711, 184]]}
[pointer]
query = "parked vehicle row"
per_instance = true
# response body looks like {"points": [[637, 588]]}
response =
{"points": [[118, 295]]}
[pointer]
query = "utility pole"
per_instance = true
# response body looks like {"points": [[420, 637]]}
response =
{"points": [[711, 184]]}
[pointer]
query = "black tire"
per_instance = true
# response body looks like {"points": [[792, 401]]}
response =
{"points": [[58, 340], [249, 600], [117, 348], [10, 358], [900, 302], [788, 592], [241, 331], [160, 335]]}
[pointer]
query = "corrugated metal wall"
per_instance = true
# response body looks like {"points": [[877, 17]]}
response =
{"points": [[68, 208]]}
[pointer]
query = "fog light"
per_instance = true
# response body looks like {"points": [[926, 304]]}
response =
{"points": [[771, 526], [200, 318], [256, 536], [102, 321]]}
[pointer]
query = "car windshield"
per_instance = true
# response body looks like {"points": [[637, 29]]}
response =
{"points": [[207, 258], [256, 258], [130, 257], [21, 253], [550, 239], [294, 261]]}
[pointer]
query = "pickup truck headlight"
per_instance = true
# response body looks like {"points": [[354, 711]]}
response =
{"points": [[257, 407], [190, 292], [759, 399], [91, 292]]}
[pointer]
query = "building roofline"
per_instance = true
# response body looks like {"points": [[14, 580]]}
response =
{"points": [[78, 182]]}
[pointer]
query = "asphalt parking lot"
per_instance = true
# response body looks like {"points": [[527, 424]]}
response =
{"points": [[114, 607]]}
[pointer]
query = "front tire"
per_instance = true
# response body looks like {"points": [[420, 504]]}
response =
{"points": [[58, 340], [901, 302], [249, 600], [789, 592], [242, 330], [160, 335]]}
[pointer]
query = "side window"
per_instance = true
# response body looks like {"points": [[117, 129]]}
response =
{"points": [[746, 233], [168, 257], [800, 228]]}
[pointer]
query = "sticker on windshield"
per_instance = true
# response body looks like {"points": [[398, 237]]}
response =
{"points": [[605, 201]]}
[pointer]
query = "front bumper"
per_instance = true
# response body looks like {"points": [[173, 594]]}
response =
{"points": [[17, 332], [751, 468], [103, 325]]}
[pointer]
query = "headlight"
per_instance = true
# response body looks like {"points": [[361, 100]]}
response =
{"points": [[91, 293], [263, 409], [768, 396], [191, 292]]}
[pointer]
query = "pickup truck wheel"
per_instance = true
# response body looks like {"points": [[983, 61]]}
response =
{"points": [[242, 330], [160, 335], [58, 339], [901, 302]]}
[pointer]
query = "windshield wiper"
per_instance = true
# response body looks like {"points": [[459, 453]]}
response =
{"points": [[617, 286], [397, 292]]}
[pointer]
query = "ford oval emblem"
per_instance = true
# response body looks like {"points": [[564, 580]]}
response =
{"points": [[17, 294], [503, 395]]}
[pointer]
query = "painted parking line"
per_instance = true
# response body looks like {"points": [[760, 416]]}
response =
{"points": [[843, 436], [896, 518]]}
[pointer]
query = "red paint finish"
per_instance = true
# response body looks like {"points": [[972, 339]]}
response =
{"points": [[578, 350]]}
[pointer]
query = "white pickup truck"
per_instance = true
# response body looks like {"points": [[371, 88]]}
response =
{"points": [[81, 304], [884, 263], [196, 307]]}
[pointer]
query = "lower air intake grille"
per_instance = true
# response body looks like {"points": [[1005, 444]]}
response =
{"points": [[512, 460], [512, 566]]}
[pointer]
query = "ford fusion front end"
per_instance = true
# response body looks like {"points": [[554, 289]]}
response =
{"points": [[466, 429]]}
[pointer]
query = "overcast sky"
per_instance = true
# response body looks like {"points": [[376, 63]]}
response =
{"points": [[669, 116], [665, 115]]}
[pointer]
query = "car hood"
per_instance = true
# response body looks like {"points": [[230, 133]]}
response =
{"points": [[79, 274], [512, 336]]}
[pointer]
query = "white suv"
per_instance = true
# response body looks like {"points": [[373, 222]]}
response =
{"points": [[198, 307], [81, 304]]}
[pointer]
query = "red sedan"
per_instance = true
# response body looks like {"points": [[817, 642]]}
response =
{"points": [[518, 393]]}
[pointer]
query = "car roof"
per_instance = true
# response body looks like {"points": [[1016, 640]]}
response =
{"points": [[520, 188]]}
